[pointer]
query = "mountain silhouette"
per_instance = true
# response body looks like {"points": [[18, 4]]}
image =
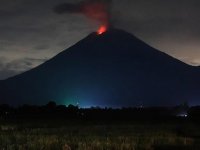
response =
{"points": [[112, 69]]}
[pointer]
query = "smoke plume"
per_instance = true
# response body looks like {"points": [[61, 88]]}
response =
{"points": [[98, 10]]}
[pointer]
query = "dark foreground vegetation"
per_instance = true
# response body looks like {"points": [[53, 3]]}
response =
{"points": [[53, 127]]}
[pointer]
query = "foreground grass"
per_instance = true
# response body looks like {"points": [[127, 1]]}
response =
{"points": [[63, 135]]}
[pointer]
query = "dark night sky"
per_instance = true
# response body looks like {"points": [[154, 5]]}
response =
{"points": [[31, 32]]}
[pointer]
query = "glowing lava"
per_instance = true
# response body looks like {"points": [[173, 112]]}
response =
{"points": [[101, 30]]}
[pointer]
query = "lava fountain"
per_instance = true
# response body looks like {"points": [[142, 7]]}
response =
{"points": [[102, 29]]}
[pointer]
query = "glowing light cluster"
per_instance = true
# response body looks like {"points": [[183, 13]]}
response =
{"points": [[101, 30]]}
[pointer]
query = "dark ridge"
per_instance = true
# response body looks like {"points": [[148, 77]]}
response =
{"points": [[112, 69]]}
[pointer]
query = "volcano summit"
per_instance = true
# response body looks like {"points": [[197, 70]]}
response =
{"points": [[111, 69]]}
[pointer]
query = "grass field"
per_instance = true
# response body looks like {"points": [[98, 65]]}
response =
{"points": [[58, 134]]}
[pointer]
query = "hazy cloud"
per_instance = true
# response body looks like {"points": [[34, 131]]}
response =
{"points": [[98, 10], [10, 68]]}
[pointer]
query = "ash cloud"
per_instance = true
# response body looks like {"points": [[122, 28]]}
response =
{"points": [[98, 10]]}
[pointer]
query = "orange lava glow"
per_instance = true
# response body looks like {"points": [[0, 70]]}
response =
{"points": [[101, 30]]}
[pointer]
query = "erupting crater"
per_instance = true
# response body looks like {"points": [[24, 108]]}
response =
{"points": [[102, 29]]}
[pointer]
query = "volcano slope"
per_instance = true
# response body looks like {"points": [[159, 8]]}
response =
{"points": [[112, 69]]}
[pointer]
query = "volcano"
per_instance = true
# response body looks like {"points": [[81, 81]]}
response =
{"points": [[111, 69]]}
